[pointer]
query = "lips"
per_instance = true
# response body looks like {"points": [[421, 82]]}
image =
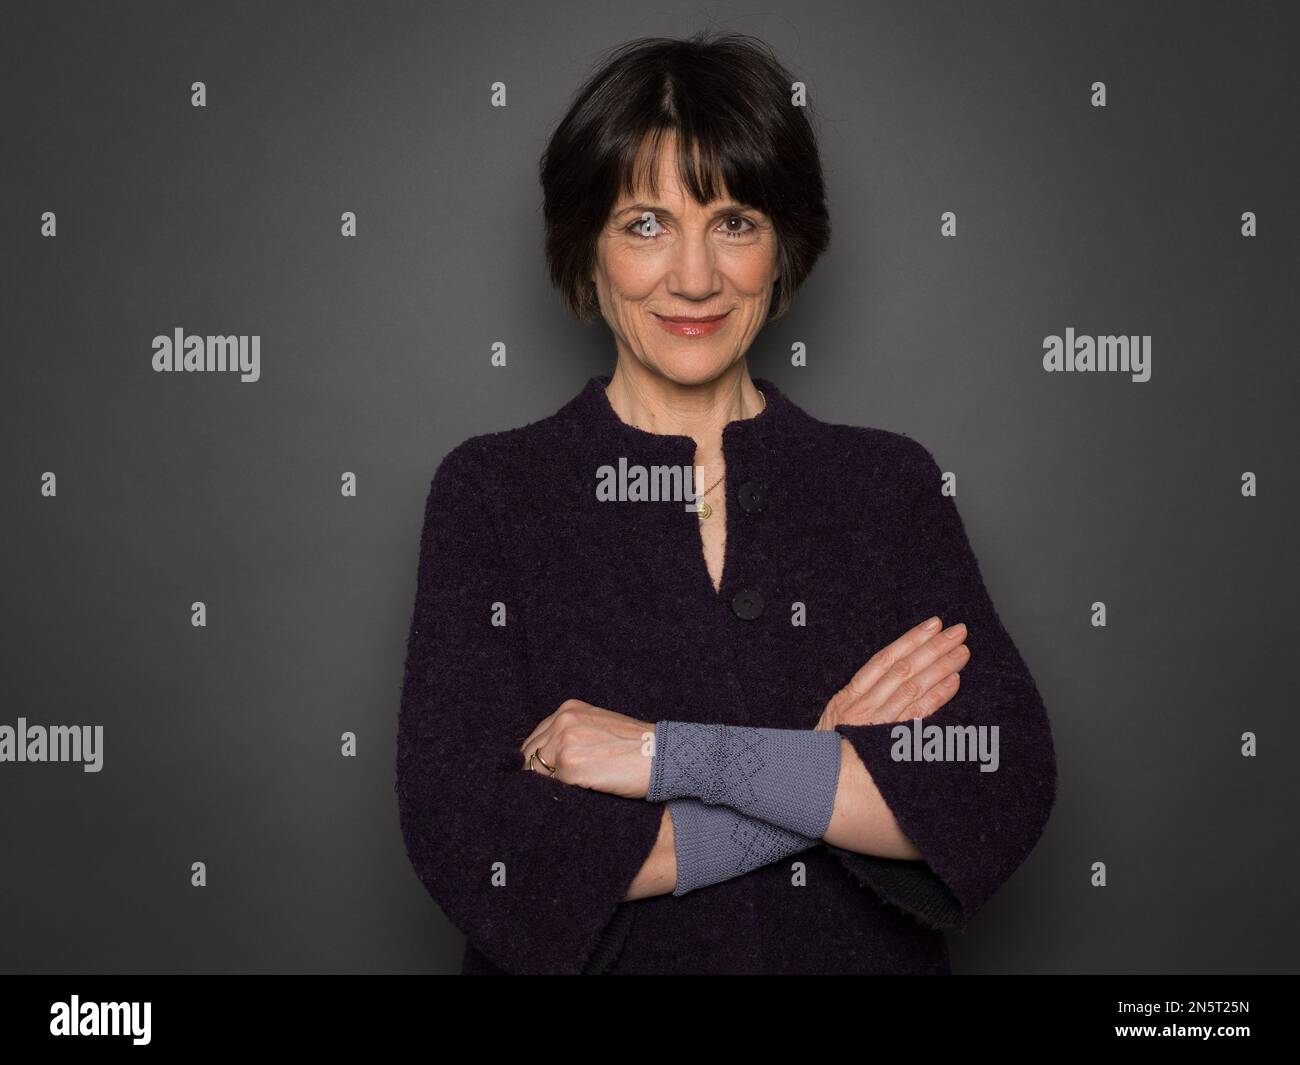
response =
{"points": [[688, 320], [692, 326]]}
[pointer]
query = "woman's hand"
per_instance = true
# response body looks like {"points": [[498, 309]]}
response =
{"points": [[593, 748], [912, 677]]}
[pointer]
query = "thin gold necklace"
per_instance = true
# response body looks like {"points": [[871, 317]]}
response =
{"points": [[705, 509]]}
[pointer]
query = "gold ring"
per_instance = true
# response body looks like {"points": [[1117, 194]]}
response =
{"points": [[538, 755]]}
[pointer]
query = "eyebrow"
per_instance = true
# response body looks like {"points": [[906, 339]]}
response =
{"points": [[724, 208]]}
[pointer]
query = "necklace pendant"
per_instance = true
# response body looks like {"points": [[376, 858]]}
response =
{"points": [[705, 510]]}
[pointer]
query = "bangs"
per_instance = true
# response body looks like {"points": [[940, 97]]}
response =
{"points": [[713, 161], [700, 166]]}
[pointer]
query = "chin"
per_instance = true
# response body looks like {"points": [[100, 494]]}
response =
{"points": [[692, 363]]}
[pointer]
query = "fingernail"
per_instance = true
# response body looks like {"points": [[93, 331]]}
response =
{"points": [[952, 631], [930, 625]]}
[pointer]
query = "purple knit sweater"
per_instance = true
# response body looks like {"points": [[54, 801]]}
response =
{"points": [[611, 602]]}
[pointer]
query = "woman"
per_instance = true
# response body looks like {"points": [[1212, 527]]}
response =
{"points": [[673, 645]]}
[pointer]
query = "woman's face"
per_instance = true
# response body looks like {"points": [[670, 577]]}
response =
{"points": [[665, 257]]}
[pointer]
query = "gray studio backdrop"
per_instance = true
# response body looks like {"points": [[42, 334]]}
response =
{"points": [[221, 744]]}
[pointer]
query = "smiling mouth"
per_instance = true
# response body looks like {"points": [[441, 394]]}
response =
{"points": [[686, 320]]}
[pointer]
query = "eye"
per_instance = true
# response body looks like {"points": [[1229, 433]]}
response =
{"points": [[645, 226], [750, 227]]}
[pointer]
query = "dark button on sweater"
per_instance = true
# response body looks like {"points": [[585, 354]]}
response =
{"points": [[747, 603], [752, 496], [533, 588]]}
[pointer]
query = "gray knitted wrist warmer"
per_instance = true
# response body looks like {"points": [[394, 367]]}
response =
{"points": [[787, 777], [715, 843]]}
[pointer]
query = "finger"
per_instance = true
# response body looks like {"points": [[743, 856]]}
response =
{"points": [[939, 695], [535, 742], [538, 731], [904, 670], [906, 663], [909, 689], [878, 664], [540, 761], [906, 701], [543, 726]]}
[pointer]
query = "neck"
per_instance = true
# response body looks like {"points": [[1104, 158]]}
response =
{"points": [[651, 402]]}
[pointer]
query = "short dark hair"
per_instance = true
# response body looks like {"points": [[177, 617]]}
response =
{"points": [[727, 100]]}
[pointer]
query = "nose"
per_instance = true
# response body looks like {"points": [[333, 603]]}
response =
{"points": [[692, 274]]}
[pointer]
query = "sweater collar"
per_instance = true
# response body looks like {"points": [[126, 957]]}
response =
{"points": [[591, 410]]}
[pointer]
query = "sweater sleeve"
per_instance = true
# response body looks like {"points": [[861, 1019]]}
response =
{"points": [[530, 869], [973, 828]]}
